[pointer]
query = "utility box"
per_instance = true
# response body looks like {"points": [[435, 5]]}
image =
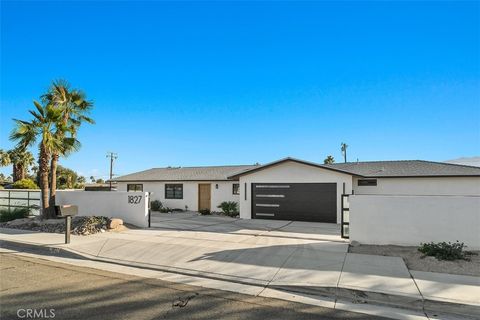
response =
{"points": [[67, 210]]}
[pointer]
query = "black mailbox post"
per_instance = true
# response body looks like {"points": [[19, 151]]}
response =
{"points": [[67, 211]]}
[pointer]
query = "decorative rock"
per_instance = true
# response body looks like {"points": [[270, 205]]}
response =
{"points": [[114, 223], [354, 243]]}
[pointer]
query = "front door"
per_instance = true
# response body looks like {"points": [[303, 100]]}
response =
{"points": [[204, 190]]}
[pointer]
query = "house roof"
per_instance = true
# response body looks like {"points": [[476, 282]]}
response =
{"points": [[407, 168], [271, 164], [215, 173]]}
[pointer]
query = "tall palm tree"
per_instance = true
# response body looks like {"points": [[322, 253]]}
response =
{"points": [[75, 109], [21, 160], [43, 127], [344, 147]]}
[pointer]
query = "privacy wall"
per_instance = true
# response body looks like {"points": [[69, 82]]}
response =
{"points": [[411, 220], [132, 207]]}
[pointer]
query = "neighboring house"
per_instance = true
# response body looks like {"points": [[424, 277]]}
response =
{"points": [[292, 189], [468, 161]]}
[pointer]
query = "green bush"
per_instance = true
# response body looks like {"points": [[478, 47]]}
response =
{"points": [[24, 184], [444, 250], [165, 209], [205, 212], [156, 205], [12, 214], [229, 208]]}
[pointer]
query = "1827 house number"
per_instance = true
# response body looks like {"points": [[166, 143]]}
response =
{"points": [[134, 199]]}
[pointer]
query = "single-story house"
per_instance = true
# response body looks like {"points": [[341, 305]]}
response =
{"points": [[293, 189]]}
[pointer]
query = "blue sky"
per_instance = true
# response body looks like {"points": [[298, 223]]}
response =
{"points": [[213, 83]]}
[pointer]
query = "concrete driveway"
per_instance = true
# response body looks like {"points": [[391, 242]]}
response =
{"points": [[192, 221]]}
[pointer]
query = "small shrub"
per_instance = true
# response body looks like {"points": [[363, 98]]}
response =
{"points": [[444, 250], [17, 213], [177, 210], [156, 205], [24, 184], [229, 208], [165, 210], [205, 212]]}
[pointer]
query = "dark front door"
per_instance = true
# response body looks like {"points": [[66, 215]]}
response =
{"points": [[295, 201]]}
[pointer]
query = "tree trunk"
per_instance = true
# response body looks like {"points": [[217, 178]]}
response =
{"points": [[43, 163], [20, 171], [14, 172], [53, 182]]}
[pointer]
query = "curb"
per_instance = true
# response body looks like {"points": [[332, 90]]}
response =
{"points": [[338, 294]]}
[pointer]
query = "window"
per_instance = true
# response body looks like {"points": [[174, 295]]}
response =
{"points": [[367, 182], [174, 191], [236, 188], [134, 187]]}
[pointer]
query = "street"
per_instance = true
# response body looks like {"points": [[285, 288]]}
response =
{"points": [[61, 291]]}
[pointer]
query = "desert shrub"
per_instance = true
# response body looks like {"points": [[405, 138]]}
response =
{"points": [[156, 205], [24, 184], [444, 250], [165, 209], [205, 212], [229, 208], [17, 213]]}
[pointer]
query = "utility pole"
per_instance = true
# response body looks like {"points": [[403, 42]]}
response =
{"points": [[112, 157], [344, 147]]}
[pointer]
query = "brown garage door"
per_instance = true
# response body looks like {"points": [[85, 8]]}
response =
{"points": [[295, 201]]}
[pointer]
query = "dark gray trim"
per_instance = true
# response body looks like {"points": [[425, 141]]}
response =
{"points": [[367, 182], [174, 185], [233, 189], [135, 187]]}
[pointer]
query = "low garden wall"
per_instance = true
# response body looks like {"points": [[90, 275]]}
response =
{"points": [[132, 207], [410, 220]]}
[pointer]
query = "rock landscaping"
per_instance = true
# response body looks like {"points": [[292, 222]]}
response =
{"points": [[416, 260], [80, 225]]}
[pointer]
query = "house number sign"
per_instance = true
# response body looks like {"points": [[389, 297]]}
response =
{"points": [[134, 199]]}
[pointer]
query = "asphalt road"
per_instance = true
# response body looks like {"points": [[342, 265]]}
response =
{"points": [[84, 293]]}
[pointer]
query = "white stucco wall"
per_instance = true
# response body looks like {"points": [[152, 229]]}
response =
{"points": [[292, 172], [422, 186], [190, 193], [108, 203], [410, 220]]}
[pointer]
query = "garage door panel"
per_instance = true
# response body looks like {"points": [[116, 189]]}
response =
{"points": [[295, 201]]}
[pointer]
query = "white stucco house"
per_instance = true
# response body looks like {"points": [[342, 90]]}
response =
{"points": [[404, 202], [307, 191]]}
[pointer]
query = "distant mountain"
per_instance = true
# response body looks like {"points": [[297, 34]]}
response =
{"points": [[471, 161]]}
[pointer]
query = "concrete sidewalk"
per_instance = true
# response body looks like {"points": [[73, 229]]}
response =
{"points": [[267, 266]]}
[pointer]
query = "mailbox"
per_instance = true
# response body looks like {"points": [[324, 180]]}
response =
{"points": [[67, 210]]}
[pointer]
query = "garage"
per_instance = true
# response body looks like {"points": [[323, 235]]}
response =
{"points": [[315, 202]]}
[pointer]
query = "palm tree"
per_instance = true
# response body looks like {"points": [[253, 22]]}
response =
{"points": [[74, 108], [43, 127], [344, 147], [329, 160], [21, 160], [4, 158]]}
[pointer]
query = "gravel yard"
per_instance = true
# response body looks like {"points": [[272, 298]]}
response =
{"points": [[80, 225], [416, 261]]}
